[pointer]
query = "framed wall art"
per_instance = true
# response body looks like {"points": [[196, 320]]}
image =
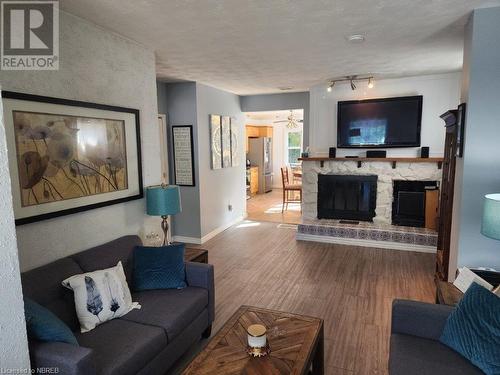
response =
{"points": [[183, 153], [67, 156], [235, 161], [216, 141], [226, 141]]}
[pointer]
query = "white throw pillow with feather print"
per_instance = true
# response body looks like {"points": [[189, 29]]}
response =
{"points": [[100, 296]]}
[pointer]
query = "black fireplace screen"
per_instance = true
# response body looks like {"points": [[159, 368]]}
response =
{"points": [[349, 197]]}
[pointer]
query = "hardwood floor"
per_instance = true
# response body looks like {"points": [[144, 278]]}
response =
{"points": [[351, 288], [267, 207]]}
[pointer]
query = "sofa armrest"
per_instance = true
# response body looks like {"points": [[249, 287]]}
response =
{"points": [[202, 275], [420, 319], [66, 358]]}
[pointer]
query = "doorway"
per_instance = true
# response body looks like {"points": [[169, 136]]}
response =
{"points": [[274, 140]]}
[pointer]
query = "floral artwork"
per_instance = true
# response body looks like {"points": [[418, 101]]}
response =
{"points": [[62, 157]]}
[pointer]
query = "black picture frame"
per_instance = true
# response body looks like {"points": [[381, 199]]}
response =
{"points": [[191, 145], [461, 110], [90, 105]]}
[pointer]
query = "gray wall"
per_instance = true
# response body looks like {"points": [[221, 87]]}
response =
{"points": [[478, 173], [13, 340], [101, 67], [277, 102], [220, 187], [178, 101]]}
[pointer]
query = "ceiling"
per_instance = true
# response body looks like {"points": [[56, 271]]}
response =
{"points": [[257, 46]]}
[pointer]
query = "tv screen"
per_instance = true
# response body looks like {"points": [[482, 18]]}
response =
{"points": [[389, 122]]}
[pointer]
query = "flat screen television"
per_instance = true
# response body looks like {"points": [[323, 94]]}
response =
{"points": [[372, 123]]}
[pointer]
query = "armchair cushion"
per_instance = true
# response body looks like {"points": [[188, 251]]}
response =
{"points": [[159, 267], [411, 355], [473, 329]]}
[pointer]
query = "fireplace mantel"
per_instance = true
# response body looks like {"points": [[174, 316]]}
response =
{"points": [[394, 160]]}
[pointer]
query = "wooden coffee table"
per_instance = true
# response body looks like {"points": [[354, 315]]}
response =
{"points": [[296, 343]]}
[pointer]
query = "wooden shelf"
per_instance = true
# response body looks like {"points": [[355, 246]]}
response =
{"points": [[439, 161]]}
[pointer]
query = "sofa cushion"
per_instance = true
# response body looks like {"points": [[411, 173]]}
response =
{"points": [[108, 255], [171, 309], [43, 325], [43, 285], [411, 355], [159, 267], [122, 347]]}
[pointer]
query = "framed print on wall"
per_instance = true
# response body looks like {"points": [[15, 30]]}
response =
{"points": [[235, 161], [67, 156], [216, 141], [226, 141], [182, 139], [460, 129]]}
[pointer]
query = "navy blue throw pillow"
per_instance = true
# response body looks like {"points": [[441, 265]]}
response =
{"points": [[473, 329], [43, 325], [159, 267]]}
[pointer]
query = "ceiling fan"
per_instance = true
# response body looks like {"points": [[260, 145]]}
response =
{"points": [[292, 122]]}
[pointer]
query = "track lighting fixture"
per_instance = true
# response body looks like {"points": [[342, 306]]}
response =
{"points": [[351, 80]]}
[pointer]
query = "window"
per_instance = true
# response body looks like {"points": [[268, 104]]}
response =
{"points": [[294, 147]]}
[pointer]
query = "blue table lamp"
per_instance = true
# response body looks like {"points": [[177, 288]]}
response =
{"points": [[490, 226], [163, 200]]}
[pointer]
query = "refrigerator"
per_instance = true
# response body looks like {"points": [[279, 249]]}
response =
{"points": [[260, 151]]}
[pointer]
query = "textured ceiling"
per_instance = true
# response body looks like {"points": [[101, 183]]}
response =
{"points": [[256, 46]]}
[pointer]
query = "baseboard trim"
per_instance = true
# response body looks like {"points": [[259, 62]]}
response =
{"points": [[366, 243], [209, 236]]}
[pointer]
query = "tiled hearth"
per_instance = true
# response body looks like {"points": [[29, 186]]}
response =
{"points": [[368, 234]]}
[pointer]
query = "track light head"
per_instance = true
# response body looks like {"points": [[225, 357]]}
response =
{"points": [[353, 86], [370, 83], [330, 86]]}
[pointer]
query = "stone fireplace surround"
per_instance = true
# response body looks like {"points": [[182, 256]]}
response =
{"points": [[421, 171]]}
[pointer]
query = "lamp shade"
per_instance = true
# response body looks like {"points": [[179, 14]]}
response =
{"points": [[490, 226], [163, 200]]}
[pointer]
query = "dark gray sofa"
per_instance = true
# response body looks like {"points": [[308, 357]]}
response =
{"points": [[145, 341], [415, 347]]}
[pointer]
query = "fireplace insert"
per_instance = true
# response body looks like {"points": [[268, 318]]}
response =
{"points": [[349, 197], [408, 204]]}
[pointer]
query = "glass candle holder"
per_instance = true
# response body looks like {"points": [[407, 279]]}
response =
{"points": [[257, 336]]}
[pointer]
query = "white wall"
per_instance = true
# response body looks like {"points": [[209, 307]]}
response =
{"points": [[441, 92], [102, 67], [219, 187], [13, 340]]}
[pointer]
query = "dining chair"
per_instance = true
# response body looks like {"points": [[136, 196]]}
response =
{"points": [[289, 188]]}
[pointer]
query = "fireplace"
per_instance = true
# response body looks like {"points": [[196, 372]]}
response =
{"points": [[349, 197], [408, 207]]}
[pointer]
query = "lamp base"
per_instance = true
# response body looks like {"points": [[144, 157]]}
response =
{"points": [[164, 227]]}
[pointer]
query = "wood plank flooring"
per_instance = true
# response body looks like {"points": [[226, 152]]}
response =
{"points": [[267, 207], [351, 288]]}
